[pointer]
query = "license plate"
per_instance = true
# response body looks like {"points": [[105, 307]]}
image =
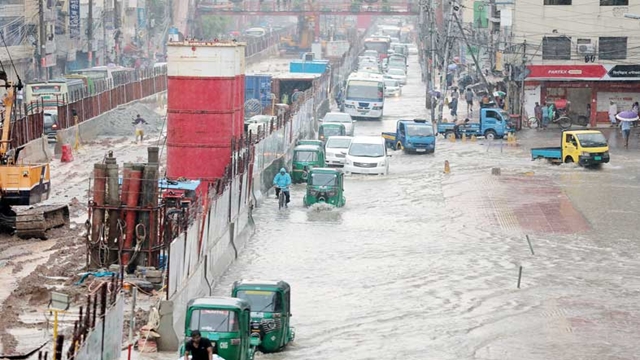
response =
{"points": [[421, 150], [597, 158]]}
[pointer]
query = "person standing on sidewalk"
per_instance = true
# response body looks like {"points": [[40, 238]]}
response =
{"points": [[626, 132], [545, 116], [613, 111]]}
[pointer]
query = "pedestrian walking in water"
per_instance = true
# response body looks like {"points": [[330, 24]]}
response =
{"points": [[139, 122], [613, 111], [537, 112], [626, 131], [453, 105]]}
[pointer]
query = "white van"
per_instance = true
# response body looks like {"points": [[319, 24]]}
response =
{"points": [[367, 155]]}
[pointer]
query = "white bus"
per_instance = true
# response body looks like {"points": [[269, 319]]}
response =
{"points": [[54, 93], [364, 96]]}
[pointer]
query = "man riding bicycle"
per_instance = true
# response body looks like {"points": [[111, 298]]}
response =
{"points": [[282, 182]]}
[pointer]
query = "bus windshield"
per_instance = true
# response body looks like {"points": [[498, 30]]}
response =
{"points": [[380, 46], [365, 91]]}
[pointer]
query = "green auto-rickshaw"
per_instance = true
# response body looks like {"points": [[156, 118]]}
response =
{"points": [[325, 185], [305, 158], [226, 322], [310, 142], [331, 129], [270, 311]]}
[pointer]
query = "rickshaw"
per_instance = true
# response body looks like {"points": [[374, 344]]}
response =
{"points": [[270, 312], [331, 129], [305, 158], [310, 142], [325, 185], [226, 322]]}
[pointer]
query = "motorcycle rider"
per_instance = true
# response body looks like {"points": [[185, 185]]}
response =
{"points": [[282, 180]]}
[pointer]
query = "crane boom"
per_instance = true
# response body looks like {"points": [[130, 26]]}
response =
{"points": [[6, 124]]}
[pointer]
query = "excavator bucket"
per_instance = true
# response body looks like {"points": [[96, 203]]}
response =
{"points": [[34, 223]]}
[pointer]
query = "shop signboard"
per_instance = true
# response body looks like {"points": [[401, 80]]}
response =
{"points": [[566, 71], [625, 71], [74, 19]]}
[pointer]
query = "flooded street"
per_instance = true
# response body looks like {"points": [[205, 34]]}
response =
{"points": [[424, 265]]}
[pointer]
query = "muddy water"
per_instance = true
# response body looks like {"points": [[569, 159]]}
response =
{"points": [[423, 265]]}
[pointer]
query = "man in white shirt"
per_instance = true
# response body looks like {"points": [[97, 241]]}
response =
{"points": [[613, 111]]}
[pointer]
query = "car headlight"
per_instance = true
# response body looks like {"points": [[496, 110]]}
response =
{"points": [[330, 154], [348, 162], [377, 108], [348, 106], [584, 153], [382, 163]]}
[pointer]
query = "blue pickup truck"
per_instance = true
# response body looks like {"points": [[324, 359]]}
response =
{"points": [[493, 124], [415, 136]]}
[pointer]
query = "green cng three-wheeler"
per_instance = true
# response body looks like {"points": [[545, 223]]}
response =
{"points": [[305, 158], [270, 312], [226, 322], [331, 129], [325, 185]]}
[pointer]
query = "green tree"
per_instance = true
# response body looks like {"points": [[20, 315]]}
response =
{"points": [[210, 26]]}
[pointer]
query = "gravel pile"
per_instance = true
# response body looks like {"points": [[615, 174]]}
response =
{"points": [[118, 122]]}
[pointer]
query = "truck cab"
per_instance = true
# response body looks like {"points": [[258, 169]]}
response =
{"points": [[493, 123], [412, 136]]}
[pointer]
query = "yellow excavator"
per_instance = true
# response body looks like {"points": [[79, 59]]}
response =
{"points": [[24, 184]]}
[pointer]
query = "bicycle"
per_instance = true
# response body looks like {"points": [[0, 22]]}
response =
{"points": [[282, 199]]}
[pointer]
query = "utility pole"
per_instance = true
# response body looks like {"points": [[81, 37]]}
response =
{"points": [[492, 52], [443, 72], [116, 32], [90, 34], [42, 43], [475, 60]]}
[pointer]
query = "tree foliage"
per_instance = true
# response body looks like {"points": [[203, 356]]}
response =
{"points": [[211, 26]]}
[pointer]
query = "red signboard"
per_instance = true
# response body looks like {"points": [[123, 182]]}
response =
{"points": [[566, 71]]}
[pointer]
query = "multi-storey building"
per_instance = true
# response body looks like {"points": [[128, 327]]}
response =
{"points": [[584, 51]]}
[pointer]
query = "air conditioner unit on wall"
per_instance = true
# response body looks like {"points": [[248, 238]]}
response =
{"points": [[586, 49]]}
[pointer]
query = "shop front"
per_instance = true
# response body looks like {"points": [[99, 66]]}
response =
{"points": [[587, 88]]}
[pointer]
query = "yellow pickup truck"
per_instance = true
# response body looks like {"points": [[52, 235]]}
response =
{"points": [[585, 147]]}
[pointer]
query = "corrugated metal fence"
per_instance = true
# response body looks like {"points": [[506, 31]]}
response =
{"points": [[148, 82]]}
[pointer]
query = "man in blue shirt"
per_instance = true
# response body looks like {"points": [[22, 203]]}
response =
{"points": [[626, 131], [282, 180]]}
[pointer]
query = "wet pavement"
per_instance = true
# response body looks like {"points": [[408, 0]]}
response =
{"points": [[424, 265]]}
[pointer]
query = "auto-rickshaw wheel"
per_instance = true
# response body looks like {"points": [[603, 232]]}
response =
{"points": [[399, 146]]}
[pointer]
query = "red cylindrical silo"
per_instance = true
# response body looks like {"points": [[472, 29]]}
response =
{"points": [[238, 122], [201, 108]]}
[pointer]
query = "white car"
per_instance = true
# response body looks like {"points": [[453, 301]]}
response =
{"points": [[367, 155], [336, 150], [392, 87], [340, 118], [398, 74], [413, 49]]}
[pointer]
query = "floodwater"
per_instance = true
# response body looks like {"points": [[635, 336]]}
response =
{"points": [[424, 265]]}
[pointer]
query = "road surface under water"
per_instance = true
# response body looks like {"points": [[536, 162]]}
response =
{"points": [[424, 265]]}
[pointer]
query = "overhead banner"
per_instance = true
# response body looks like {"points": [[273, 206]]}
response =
{"points": [[74, 19]]}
